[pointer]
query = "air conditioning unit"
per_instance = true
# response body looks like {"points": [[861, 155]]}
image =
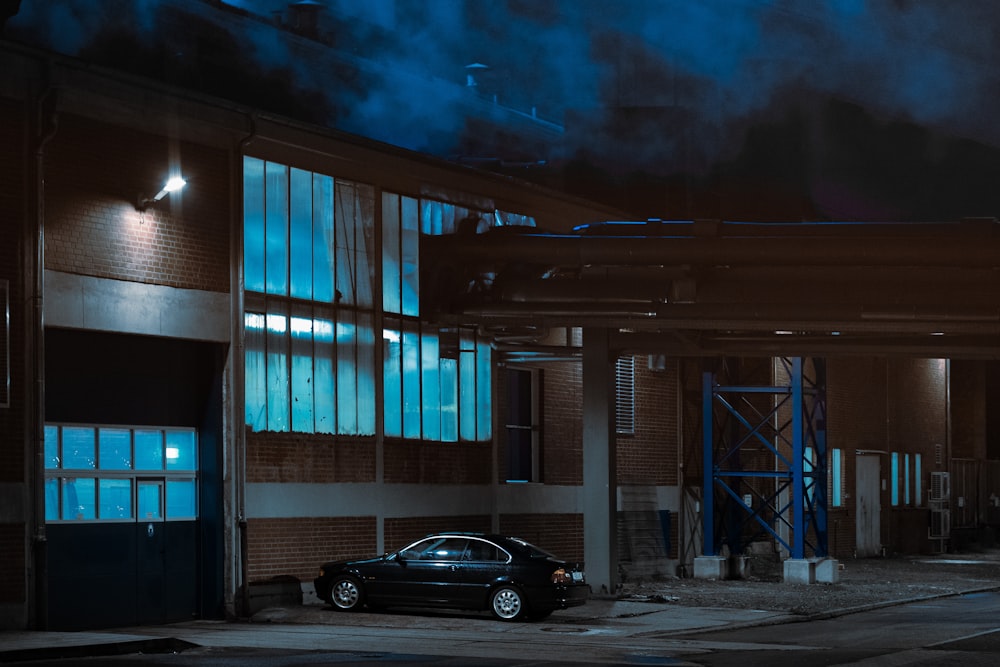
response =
{"points": [[940, 486], [940, 524]]}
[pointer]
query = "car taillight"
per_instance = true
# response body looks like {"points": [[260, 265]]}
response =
{"points": [[561, 576]]}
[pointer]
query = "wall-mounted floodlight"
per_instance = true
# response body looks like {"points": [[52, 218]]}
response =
{"points": [[172, 185]]}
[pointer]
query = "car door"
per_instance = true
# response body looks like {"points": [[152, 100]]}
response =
{"points": [[482, 564], [430, 572]]}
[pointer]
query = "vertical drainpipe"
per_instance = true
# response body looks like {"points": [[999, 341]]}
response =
{"points": [[43, 127], [238, 390]]}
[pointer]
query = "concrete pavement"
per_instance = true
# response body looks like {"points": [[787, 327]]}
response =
{"points": [[315, 627]]}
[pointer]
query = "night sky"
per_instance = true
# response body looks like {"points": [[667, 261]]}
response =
{"points": [[737, 109]]}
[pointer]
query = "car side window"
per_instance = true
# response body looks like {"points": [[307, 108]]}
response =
{"points": [[484, 552], [440, 548]]}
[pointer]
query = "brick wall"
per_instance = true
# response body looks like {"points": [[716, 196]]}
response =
{"points": [[94, 176], [437, 462], [562, 424], [650, 455], [303, 457], [297, 547], [968, 409], [561, 534]]}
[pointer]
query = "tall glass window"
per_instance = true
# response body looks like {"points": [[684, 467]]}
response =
{"points": [[309, 276], [312, 350]]}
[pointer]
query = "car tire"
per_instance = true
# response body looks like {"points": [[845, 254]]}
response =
{"points": [[507, 603], [346, 593]]}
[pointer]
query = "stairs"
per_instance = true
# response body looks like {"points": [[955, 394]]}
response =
{"points": [[642, 545]]}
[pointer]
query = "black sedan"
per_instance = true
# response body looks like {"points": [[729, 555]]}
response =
{"points": [[510, 577]]}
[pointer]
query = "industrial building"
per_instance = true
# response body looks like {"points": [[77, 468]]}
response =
{"points": [[320, 346]]}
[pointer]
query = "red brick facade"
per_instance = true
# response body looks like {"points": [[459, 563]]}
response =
{"points": [[95, 174], [297, 547]]}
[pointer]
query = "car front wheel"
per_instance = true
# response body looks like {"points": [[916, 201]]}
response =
{"points": [[346, 593], [507, 603]]}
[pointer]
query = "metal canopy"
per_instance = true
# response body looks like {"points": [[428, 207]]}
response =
{"points": [[712, 288]]}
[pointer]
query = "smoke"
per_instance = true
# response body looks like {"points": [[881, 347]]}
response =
{"points": [[636, 83]]}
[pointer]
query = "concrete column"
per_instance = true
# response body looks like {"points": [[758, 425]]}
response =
{"points": [[600, 538]]}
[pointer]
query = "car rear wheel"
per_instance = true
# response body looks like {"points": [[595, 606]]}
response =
{"points": [[507, 603], [346, 593]]}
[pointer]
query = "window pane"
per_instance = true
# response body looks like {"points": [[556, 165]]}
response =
{"points": [[411, 383], [366, 375], [181, 452], [256, 372], [836, 474], [354, 221], [116, 498], [347, 373], [51, 447], [326, 396], [115, 448], [277, 372], [449, 400], [484, 408], [430, 386], [392, 382], [276, 228], [390, 253], [467, 385], [181, 499], [78, 448], [918, 482], [78, 498], [323, 243], [149, 496], [410, 257], [253, 224], [51, 499], [894, 476], [148, 450], [300, 234], [302, 371]]}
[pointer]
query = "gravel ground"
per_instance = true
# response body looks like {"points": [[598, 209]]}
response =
{"points": [[862, 582]]}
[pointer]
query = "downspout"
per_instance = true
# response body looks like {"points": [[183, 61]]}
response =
{"points": [[43, 128], [238, 411]]}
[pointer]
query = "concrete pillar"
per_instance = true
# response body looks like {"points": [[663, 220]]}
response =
{"points": [[600, 494]]}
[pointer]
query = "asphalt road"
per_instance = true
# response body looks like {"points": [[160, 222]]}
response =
{"points": [[962, 630]]}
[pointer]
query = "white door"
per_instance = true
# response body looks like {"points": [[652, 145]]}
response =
{"points": [[869, 506]]}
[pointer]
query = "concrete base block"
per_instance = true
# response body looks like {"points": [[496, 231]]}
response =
{"points": [[737, 567], [800, 571], [828, 571], [710, 567]]}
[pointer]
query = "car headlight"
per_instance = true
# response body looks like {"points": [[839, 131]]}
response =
{"points": [[560, 576]]}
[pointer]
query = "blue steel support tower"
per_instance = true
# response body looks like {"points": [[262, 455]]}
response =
{"points": [[765, 460]]}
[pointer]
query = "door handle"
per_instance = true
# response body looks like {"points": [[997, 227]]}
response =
{"points": [[453, 568]]}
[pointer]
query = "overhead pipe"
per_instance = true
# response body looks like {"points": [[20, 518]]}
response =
{"points": [[490, 248]]}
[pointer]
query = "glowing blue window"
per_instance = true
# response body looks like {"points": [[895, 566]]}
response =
{"points": [[181, 499], [79, 496], [115, 448], [78, 451], [117, 490], [918, 485], [115, 498], [148, 449], [836, 476], [181, 451], [894, 475]]}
